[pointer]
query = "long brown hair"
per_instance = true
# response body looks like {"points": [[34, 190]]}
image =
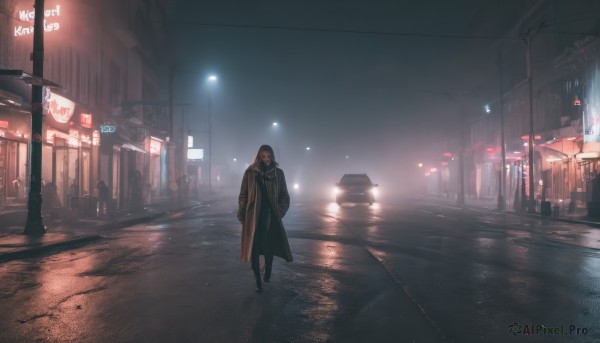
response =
{"points": [[265, 147]]}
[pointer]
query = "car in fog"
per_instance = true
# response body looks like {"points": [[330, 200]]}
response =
{"points": [[355, 188]]}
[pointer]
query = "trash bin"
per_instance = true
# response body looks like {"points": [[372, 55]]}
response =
{"points": [[546, 210]]}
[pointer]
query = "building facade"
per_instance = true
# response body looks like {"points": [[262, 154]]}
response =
{"points": [[565, 102], [100, 122]]}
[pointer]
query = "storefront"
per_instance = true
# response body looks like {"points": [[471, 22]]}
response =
{"points": [[14, 148], [15, 125], [69, 150], [155, 147]]}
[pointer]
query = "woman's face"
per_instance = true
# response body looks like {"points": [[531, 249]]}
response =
{"points": [[265, 157]]}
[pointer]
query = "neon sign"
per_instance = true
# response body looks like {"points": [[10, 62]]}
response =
{"points": [[108, 128], [155, 145], [29, 16], [59, 107], [86, 120]]}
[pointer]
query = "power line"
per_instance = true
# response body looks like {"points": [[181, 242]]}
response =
{"points": [[310, 29]]}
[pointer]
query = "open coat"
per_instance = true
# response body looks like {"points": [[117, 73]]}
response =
{"points": [[250, 200]]}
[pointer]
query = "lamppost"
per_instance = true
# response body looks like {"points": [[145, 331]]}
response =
{"points": [[212, 79], [528, 39], [502, 191], [35, 224], [277, 141]]}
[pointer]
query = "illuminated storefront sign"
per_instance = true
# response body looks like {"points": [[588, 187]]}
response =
{"points": [[155, 145], [195, 154], [50, 21], [108, 128], [591, 116], [3, 124], [59, 107], [86, 120]]}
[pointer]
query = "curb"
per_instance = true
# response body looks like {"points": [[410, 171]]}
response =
{"points": [[566, 220], [29, 252], [82, 240], [515, 213]]}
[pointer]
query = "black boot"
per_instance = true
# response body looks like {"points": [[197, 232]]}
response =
{"points": [[258, 283], [268, 267], [267, 276]]}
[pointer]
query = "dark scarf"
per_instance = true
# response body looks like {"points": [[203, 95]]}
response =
{"points": [[268, 172]]}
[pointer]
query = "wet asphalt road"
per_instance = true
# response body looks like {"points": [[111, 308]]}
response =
{"points": [[396, 272]]}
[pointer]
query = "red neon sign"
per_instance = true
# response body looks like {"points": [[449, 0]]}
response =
{"points": [[86, 120]]}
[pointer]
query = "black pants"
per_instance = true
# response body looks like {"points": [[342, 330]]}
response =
{"points": [[262, 246], [255, 261]]}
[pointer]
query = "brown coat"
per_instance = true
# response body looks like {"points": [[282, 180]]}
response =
{"points": [[249, 206]]}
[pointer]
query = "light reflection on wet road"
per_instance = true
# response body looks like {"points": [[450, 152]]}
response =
{"points": [[490, 269], [385, 273]]}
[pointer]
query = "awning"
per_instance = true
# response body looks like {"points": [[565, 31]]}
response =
{"points": [[132, 147], [588, 155], [15, 92], [551, 155]]}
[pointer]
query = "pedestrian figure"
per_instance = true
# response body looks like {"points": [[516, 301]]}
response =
{"points": [[263, 202], [102, 198]]}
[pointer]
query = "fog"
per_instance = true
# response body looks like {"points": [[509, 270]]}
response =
{"points": [[371, 88]]}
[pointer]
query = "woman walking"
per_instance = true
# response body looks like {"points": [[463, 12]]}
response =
{"points": [[263, 202]]}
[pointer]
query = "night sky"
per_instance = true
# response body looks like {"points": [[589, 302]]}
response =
{"points": [[377, 98]]}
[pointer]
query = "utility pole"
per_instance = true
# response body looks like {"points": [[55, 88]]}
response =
{"points": [[461, 163], [171, 146], [184, 143], [35, 224], [502, 189], [209, 144], [528, 40]]}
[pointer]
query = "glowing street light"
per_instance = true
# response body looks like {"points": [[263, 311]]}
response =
{"points": [[212, 79], [307, 148], [420, 165], [275, 124]]}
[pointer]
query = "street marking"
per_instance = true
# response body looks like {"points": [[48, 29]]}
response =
{"points": [[365, 245]]}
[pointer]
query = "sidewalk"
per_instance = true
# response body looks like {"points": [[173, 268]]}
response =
{"points": [[579, 216], [14, 244]]}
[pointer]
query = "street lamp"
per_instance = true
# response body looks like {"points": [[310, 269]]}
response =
{"points": [[212, 79], [275, 124], [35, 224], [307, 148]]}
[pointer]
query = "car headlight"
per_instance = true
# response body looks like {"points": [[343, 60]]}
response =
{"points": [[375, 191], [336, 190]]}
